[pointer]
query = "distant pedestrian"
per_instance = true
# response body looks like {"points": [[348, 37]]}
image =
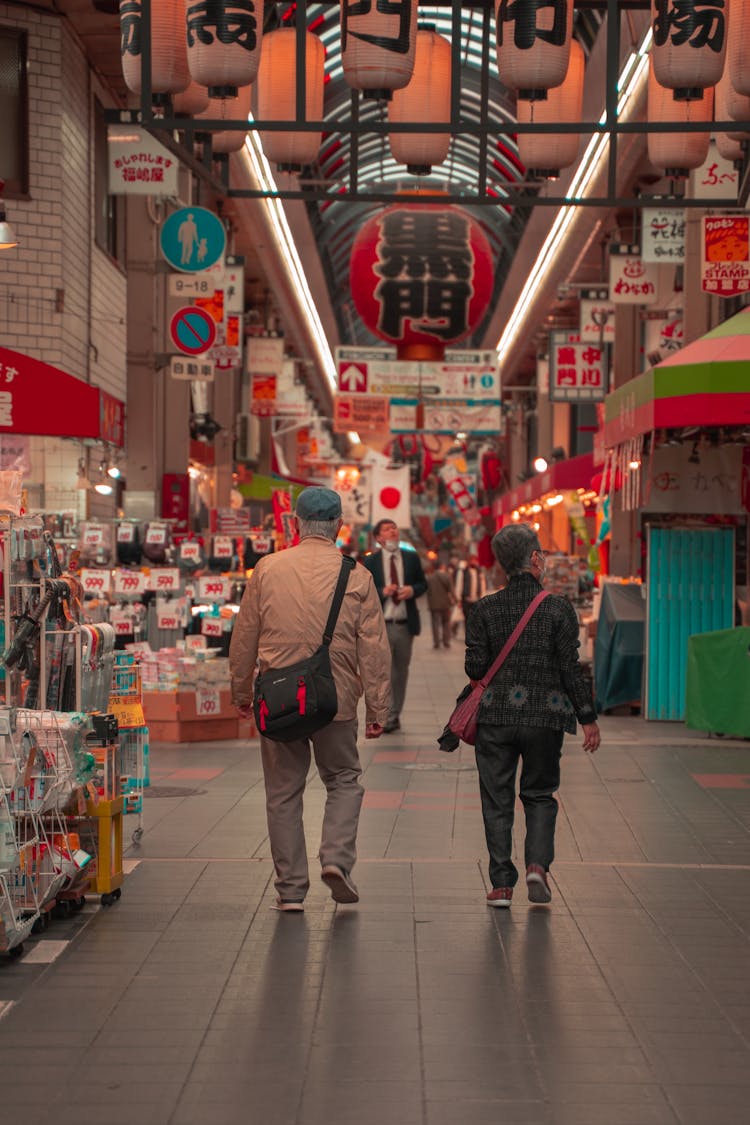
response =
{"points": [[440, 599], [470, 585], [281, 621], [399, 581], [534, 698]]}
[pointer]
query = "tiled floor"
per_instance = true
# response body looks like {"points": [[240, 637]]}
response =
{"points": [[623, 1003]]}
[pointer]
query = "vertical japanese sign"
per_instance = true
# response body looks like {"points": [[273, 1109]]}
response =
{"points": [[577, 371], [631, 280], [725, 255], [597, 317], [663, 234], [716, 179]]}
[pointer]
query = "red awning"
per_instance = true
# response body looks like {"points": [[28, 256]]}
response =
{"points": [[37, 398], [563, 476]]}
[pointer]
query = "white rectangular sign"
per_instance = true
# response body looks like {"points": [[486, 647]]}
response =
{"points": [[406, 380], [631, 280], [128, 582], [597, 317], [213, 588], [139, 164], [663, 234], [95, 582], [183, 367], [165, 579]]}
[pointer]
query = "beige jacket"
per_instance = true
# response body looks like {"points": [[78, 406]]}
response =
{"points": [[281, 620]]}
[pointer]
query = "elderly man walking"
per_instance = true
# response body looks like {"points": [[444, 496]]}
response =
{"points": [[281, 620]]}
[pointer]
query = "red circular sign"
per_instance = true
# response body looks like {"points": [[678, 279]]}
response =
{"points": [[422, 274], [390, 497], [193, 330]]}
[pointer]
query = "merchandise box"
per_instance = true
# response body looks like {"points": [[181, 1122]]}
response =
{"points": [[181, 706]]}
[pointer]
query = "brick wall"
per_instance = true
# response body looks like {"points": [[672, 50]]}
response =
{"points": [[61, 298]]}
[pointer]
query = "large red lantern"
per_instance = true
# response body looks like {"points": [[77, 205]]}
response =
{"points": [[421, 276]]}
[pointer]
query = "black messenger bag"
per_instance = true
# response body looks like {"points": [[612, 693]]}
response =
{"points": [[295, 701]]}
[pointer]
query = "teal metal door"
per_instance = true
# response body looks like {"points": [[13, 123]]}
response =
{"points": [[690, 590]]}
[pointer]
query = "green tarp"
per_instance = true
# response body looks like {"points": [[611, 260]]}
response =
{"points": [[618, 649], [718, 682]]}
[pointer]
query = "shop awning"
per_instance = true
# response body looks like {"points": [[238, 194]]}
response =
{"points": [[706, 383], [37, 398], [563, 476]]}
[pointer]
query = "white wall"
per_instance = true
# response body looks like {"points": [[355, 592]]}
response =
{"points": [[62, 299]]}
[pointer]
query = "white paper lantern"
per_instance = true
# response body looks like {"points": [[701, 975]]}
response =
{"points": [[731, 106], [191, 101], [169, 68], [533, 45], [544, 154], [377, 47], [427, 98], [277, 97], [676, 153], [223, 43], [690, 42], [228, 109], [738, 47]]}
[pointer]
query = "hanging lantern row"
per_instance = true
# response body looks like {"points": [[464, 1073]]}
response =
{"points": [[545, 154], [690, 42], [676, 153]]}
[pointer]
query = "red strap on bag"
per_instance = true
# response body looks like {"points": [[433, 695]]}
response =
{"points": [[463, 721]]}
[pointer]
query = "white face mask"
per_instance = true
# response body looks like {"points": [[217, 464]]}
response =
{"points": [[390, 545]]}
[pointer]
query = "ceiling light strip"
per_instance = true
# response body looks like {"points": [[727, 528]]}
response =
{"points": [[287, 248]]}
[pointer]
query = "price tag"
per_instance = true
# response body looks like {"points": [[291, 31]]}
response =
{"points": [[261, 544], [129, 582], [207, 702], [126, 533], [168, 619], [156, 536], [212, 627], [223, 547], [190, 552], [121, 622], [195, 643], [95, 581], [165, 579], [214, 589], [93, 537]]}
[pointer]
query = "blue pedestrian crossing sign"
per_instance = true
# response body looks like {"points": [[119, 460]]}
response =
{"points": [[193, 239]]}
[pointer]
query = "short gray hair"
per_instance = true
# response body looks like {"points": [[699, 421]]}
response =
{"points": [[513, 547], [327, 528]]}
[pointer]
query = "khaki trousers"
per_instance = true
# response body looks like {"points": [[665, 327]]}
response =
{"points": [[285, 768]]}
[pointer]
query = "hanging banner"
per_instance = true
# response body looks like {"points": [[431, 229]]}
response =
{"points": [[663, 333], [597, 317], [264, 355], [390, 495], [717, 179], [461, 488], [355, 499], [725, 255], [663, 234], [577, 372], [631, 280]]}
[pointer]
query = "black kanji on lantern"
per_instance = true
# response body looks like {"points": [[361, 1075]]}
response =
{"points": [[427, 265], [130, 28], [699, 23], [230, 21], [523, 15], [398, 44]]}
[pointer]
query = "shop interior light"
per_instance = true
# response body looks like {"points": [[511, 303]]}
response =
{"points": [[104, 488], [515, 516], [555, 500], [8, 238], [540, 464], [634, 464], [536, 526], [114, 471]]}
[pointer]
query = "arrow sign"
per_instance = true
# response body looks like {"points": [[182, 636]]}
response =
{"points": [[193, 330], [353, 377]]}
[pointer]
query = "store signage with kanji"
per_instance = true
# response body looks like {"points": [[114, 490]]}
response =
{"points": [[421, 275], [577, 371]]}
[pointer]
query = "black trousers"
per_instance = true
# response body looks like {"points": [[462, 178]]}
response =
{"points": [[498, 750]]}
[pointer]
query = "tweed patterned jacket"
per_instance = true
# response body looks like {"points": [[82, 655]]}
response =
{"points": [[541, 684]]}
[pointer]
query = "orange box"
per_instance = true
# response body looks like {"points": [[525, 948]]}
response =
{"points": [[198, 730], [180, 706]]}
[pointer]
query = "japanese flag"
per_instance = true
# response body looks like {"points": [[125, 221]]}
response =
{"points": [[390, 495]]}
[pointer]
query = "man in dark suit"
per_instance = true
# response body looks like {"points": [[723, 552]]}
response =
{"points": [[399, 581]]}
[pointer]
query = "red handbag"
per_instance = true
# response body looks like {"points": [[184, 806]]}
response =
{"points": [[463, 721]]}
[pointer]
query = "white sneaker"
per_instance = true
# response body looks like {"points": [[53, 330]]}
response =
{"points": [[340, 884], [288, 906]]}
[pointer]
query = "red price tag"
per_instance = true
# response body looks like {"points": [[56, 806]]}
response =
{"points": [[122, 627], [164, 580], [223, 548], [211, 627], [191, 552], [156, 536], [125, 533], [93, 537], [215, 589], [95, 581], [207, 702], [129, 581], [168, 621]]}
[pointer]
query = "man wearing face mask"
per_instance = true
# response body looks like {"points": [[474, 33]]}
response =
{"points": [[399, 581], [535, 697]]}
